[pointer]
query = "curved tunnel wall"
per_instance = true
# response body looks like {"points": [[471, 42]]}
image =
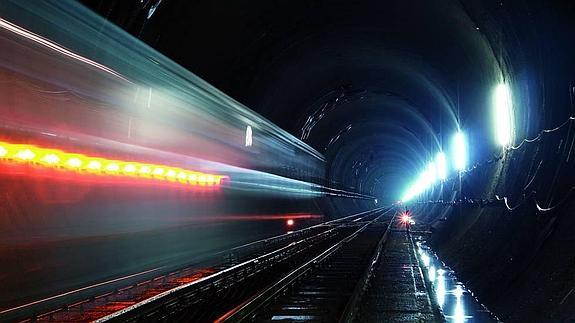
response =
{"points": [[379, 88]]}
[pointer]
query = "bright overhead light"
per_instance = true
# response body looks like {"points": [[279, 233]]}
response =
{"points": [[503, 114], [410, 193], [441, 163], [459, 151], [432, 173], [419, 186], [422, 183], [407, 197], [435, 170]]}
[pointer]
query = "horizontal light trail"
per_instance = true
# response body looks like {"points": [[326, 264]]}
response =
{"points": [[56, 47], [90, 165], [257, 217]]}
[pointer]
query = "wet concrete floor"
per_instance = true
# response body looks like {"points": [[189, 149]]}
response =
{"points": [[397, 291], [457, 303]]}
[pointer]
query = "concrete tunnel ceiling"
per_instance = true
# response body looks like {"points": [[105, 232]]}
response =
{"points": [[377, 86]]}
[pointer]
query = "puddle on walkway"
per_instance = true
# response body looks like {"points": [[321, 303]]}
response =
{"points": [[457, 302]]}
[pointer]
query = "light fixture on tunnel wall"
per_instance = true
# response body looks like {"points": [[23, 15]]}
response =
{"points": [[441, 163], [437, 170], [459, 151], [432, 173], [419, 186], [503, 114], [81, 164]]}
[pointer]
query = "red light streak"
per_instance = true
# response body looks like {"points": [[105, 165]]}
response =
{"points": [[257, 217]]}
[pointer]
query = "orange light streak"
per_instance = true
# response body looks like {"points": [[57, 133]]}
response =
{"points": [[84, 164]]}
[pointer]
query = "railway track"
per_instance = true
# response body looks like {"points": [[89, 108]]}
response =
{"points": [[206, 292], [215, 297], [373, 275], [320, 289]]}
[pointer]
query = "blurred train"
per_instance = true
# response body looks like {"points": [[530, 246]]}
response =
{"points": [[77, 83], [114, 161]]}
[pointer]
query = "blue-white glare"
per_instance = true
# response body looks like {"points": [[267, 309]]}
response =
{"points": [[436, 170], [458, 292], [503, 114], [459, 150], [431, 273], [441, 163], [424, 182], [432, 172]]}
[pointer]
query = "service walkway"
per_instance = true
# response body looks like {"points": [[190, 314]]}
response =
{"points": [[397, 291]]}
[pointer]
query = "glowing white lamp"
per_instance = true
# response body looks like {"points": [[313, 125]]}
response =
{"points": [[459, 151], [441, 163], [503, 114]]}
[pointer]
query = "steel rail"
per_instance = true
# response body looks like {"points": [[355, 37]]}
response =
{"points": [[351, 308], [218, 277], [236, 253], [248, 308]]}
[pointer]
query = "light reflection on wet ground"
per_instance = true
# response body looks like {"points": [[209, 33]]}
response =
{"points": [[457, 302]]}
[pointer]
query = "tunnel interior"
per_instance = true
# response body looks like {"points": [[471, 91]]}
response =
{"points": [[379, 88]]}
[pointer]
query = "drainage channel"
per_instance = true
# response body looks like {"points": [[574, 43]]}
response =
{"points": [[457, 303]]}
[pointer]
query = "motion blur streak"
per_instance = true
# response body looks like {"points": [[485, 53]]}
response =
{"points": [[83, 164], [25, 33], [259, 217], [110, 93], [94, 124]]}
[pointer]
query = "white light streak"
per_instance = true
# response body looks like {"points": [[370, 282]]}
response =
{"points": [[49, 44]]}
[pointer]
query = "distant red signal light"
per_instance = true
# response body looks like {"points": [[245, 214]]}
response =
{"points": [[405, 218]]}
